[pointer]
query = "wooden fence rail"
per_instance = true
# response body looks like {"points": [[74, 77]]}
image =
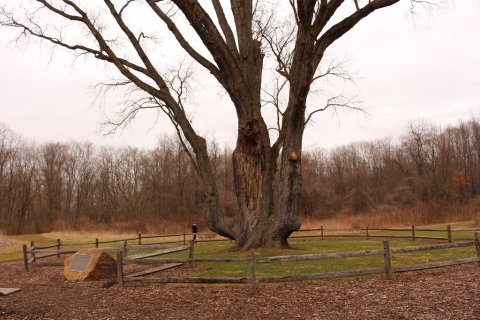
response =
{"points": [[320, 232], [44, 251], [387, 252]]}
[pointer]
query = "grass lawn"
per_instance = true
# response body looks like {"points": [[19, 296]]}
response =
{"points": [[311, 246]]}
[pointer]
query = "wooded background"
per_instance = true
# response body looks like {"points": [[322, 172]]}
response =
{"points": [[78, 185]]}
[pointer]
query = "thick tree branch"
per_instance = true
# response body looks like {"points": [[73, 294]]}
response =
{"points": [[229, 73], [324, 14], [183, 42], [345, 25], [208, 33], [305, 9], [227, 30], [243, 15]]}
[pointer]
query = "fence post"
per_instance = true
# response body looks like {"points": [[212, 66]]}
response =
{"points": [[120, 268], [477, 246], [413, 232], [184, 238], [58, 248], [32, 250], [190, 253], [96, 242], [449, 233], [124, 249], [387, 259], [25, 257], [368, 235], [139, 238], [321, 230], [253, 273]]}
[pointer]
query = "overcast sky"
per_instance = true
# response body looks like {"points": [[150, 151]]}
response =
{"points": [[407, 69]]}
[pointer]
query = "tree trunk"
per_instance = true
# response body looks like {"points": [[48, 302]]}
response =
{"points": [[260, 223], [253, 173]]}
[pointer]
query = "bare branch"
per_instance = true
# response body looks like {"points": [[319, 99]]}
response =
{"points": [[152, 72], [335, 69], [356, 5], [294, 9], [36, 31], [280, 40], [274, 99], [335, 103], [125, 7]]}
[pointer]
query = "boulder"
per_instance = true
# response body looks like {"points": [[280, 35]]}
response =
{"points": [[90, 264]]}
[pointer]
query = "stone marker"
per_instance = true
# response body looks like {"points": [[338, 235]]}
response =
{"points": [[90, 264], [7, 291]]}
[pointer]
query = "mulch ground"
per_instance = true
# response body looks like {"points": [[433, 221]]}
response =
{"points": [[448, 293]]}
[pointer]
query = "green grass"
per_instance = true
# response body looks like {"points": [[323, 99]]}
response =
{"points": [[312, 246], [308, 267], [442, 233]]}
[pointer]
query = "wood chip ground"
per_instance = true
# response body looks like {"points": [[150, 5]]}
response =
{"points": [[448, 293]]}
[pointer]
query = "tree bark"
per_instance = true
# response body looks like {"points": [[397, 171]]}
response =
{"points": [[253, 168]]}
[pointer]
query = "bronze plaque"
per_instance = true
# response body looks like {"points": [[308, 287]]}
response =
{"points": [[80, 263]]}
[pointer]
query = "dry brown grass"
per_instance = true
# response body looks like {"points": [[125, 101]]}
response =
{"points": [[385, 216], [7, 244], [389, 216], [140, 225]]}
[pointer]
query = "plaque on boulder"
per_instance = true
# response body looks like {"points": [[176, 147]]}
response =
{"points": [[90, 264], [80, 262]]}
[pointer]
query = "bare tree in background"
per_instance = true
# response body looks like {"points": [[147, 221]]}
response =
{"points": [[235, 49]]}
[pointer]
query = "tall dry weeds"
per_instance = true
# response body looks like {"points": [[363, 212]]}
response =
{"points": [[381, 216], [391, 216]]}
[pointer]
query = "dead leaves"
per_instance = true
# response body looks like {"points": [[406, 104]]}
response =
{"points": [[449, 293]]}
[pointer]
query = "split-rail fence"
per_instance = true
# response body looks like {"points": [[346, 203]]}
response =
{"points": [[40, 252]]}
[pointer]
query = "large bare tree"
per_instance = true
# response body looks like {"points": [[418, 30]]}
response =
{"points": [[233, 46]]}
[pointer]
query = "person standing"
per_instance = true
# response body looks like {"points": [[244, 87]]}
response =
{"points": [[194, 231]]}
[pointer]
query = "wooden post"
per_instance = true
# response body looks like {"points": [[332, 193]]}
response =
{"points": [[413, 232], [96, 243], [139, 238], [449, 233], [120, 268], [58, 248], [184, 238], [32, 250], [321, 230], [477, 245], [25, 257], [368, 235], [387, 259], [124, 249], [190, 253], [253, 273]]}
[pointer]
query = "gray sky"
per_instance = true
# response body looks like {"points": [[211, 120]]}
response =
{"points": [[425, 68]]}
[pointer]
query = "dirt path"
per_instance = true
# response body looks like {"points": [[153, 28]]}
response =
{"points": [[449, 293]]}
